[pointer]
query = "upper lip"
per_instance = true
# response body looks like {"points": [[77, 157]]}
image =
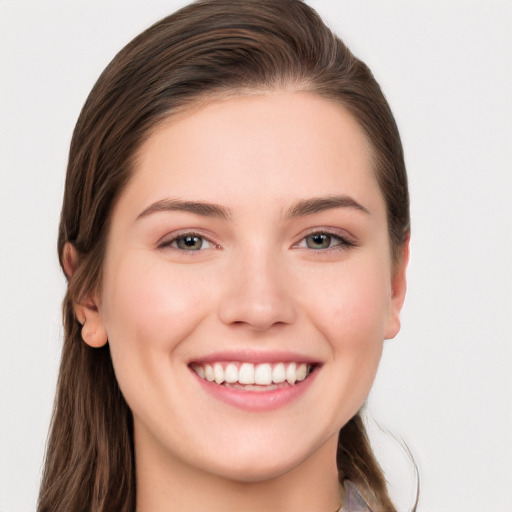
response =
{"points": [[255, 357]]}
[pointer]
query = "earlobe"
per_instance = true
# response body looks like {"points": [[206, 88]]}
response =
{"points": [[94, 337], [86, 312], [93, 331], [398, 291]]}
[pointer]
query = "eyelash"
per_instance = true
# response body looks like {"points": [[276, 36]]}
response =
{"points": [[172, 243], [341, 242]]}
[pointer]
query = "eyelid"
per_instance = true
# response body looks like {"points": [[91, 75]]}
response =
{"points": [[167, 240], [346, 239]]}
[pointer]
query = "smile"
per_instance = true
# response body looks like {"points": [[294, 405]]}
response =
{"points": [[253, 377]]}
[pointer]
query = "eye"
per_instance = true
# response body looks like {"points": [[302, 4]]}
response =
{"points": [[321, 241], [187, 242]]}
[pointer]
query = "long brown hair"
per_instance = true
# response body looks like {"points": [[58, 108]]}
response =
{"points": [[209, 47]]}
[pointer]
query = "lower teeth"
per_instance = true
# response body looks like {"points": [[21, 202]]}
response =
{"points": [[252, 387]]}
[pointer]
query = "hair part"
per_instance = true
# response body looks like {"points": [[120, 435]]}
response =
{"points": [[207, 50]]}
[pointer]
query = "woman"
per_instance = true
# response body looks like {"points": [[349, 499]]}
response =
{"points": [[235, 234]]}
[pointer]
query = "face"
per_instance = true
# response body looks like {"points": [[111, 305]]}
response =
{"points": [[248, 285]]}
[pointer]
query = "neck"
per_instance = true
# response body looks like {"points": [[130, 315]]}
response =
{"points": [[165, 484]]}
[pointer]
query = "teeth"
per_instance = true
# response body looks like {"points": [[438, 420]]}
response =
{"points": [[301, 372], [231, 374], [263, 375], [199, 370], [208, 372], [250, 375], [218, 373], [290, 373], [279, 373], [246, 374]]}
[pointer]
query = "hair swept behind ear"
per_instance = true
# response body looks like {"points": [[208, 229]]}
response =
{"points": [[356, 462]]}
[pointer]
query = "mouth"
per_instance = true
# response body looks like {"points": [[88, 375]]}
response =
{"points": [[246, 376]]}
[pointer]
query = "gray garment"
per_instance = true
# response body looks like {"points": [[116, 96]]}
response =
{"points": [[352, 500]]}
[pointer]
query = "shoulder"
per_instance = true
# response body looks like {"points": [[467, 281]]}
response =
{"points": [[352, 499]]}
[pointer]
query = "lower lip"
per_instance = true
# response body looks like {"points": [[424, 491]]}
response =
{"points": [[257, 400]]}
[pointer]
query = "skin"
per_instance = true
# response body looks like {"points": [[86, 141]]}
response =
{"points": [[254, 286]]}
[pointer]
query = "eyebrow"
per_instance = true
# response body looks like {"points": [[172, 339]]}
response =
{"points": [[300, 209], [320, 204], [197, 207]]}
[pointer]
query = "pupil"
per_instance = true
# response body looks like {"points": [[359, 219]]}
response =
{"points": [[320, 241], [191, 242]]}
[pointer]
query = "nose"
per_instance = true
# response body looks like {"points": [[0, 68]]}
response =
{"points": [[257, 293]]}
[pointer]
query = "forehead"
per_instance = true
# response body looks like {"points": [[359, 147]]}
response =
{"points": [[277, 144]]}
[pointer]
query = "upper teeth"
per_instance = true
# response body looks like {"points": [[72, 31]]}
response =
{"points": [[263, 374]]}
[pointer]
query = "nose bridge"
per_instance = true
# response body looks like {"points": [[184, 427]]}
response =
{"points": [[257, 292]]}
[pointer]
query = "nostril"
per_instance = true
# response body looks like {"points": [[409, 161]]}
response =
{"points": [[244, 310]]}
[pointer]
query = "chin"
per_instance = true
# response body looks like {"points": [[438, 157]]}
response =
{"points": [[264, 462], [254, 472]]}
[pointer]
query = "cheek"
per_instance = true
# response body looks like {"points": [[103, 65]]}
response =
{"points": [[150, 306], [358, 303], [352, 316]]}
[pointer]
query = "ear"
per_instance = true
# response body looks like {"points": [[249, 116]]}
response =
{"points": [[398, 290], [87, 312]]}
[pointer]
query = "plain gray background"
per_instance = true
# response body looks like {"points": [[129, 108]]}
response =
{"points": [[444, 385]]}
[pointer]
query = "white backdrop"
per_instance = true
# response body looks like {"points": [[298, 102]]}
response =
{"points": [[445, 383]]}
